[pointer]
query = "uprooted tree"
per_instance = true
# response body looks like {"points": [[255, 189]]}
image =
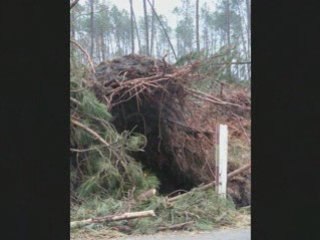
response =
{"points": [[139, 123], [157, 100]]}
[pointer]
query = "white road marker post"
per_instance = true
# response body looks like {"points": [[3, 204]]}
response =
{"points": [[221, 159]]}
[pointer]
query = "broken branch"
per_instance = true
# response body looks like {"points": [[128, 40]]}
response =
{"points": [[89, 130], [86, 53], [213, 183]]}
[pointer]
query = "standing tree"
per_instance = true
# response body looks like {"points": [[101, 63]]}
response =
{"points": [[228, 37], [197, 26], [209, 34], [164, 28], [146, 26], [248, 8], [132, 27], [185, 28], [228, 23], [152, 29], [137, 32], [92, 26]]}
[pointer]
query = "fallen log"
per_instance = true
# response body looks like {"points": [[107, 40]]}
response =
{"points": [[213, 183], [110, 218]]}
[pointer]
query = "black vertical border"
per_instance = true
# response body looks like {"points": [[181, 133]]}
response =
{"points": [[34, 122], [285, 120], [34, 119]]}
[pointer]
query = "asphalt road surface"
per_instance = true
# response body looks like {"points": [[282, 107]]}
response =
{"points": [[225, 234]]}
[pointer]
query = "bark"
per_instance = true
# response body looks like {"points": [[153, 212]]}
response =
{"points": [[197, 26], [92, 27], [72, 26], [92, 132], [164, 30], [213, 183], [228, 37], [248, 3], [86, 53], [137, 31], [146, 26], [110, 218], [152, 31], [132, 27], [103, 47], [98, 48], [239, 170]]}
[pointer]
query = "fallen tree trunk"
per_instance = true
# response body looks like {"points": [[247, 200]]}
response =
{"points": [[110, 218], [213, 183]]}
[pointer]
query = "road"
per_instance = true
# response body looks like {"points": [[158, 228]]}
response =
{"points": [[225, 234]]}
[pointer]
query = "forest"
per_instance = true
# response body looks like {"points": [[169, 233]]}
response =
{"points": [[107, 31], [146, 95]]}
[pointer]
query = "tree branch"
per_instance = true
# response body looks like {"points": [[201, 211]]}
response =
{"points": [[213, 183], [86, 53], [163, 28], [89, 130]]}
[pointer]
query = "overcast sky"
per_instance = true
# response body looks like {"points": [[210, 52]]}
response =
{"points": [[163, 7]]}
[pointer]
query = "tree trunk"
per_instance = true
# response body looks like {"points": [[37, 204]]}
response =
{"points": [[98, 48], [249, 24], [124, 216], [137, 31], [72, 25], [248, 3], [103, 47], [108, 45], [164, 30], [228, 38], [213, 183], [91, 27], [132, 27], [152, 31], [146, 26], [197, 26]]}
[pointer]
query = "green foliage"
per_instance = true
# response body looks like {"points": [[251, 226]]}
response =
{"points": [[205, 208], [112, 31], [213, 67], [96, 207], [97, 169], [91, 106], [185, 33]]}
